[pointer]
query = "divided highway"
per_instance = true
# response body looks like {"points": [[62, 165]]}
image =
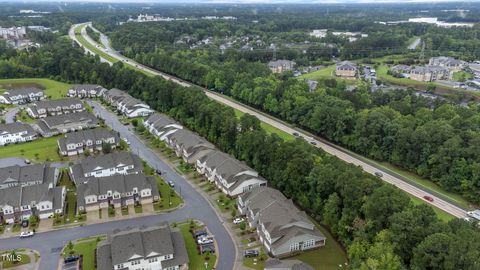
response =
{"points": [[327, 147]]}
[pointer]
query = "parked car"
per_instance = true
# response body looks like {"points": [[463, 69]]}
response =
{"points": [[27, 161], [205, 239], [250, 253], [24, 223], [428, 198], [199, 233], [26, 234], [126, 141], [238, 220], [170, 183], [207, 248], [378, 174], [71, 258], [158, 172]]}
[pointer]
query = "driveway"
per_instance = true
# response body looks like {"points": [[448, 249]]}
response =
{"points": [[49, 244]]}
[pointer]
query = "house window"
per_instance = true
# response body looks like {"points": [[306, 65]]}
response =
{"points": [[294, 247]]}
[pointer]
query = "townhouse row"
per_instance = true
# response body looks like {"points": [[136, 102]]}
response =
{"points": [[126, 104], [30, 190], [282, 228], [229, 174]]}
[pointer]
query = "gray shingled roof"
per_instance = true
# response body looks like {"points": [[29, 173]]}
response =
{"points": [[21, 91], [89, 134], [16, 127], [111, 160], [346, 65], [279, 63], [22, 174], [11, 196], [80, 117], [120, 246], [119, 183]]}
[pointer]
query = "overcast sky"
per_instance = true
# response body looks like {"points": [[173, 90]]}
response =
{"points": [[249, 1]]}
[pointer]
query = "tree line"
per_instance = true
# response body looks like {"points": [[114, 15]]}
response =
{"points": [[377, 223]]}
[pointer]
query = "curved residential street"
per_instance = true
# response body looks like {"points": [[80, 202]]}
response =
{"points": [[196, 206], [326, 146]]}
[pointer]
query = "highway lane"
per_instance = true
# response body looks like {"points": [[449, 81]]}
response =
{"points": [[328, 147], [196, 207]]}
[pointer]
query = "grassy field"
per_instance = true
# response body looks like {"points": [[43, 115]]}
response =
{"points": [[24, 259], [53, 89], [383, 76], [442, 215], [325, 73], [196, 261], [24, 117], [327, 257], [169, 198], [270, 129], [42, 149], [86, 248], [461, 76]]}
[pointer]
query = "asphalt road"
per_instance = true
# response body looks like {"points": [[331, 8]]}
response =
{"points": [[10, 115], [196, 207], [328, 147]]}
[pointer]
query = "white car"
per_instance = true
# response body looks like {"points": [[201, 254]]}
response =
{"points": [[204, 240], [126, 141], [26, 234], [238, 220]]}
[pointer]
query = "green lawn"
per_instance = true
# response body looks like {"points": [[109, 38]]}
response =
{"points": [[53, 89], [383, 76], [168, 197], [325, 73], [327, 257], [24, 259], [257, 263], [42, 149], [270, 129], [71, 197], [196, 261], [87, 249], [461, 76], [24, 117]]}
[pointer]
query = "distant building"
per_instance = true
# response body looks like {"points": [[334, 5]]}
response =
{"points": [[156, 247], [21, 95], [319, 33], [86, 91], [430, 73], [106, 165], [346, 69], [448, 62], [13, 33], [87, 140], [280, 66], [58, 124], [400, 69], [16, 133], [276, 264], [46, 108]]}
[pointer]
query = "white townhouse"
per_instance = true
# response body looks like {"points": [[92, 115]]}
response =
{"points": [[116, 191], [161, 126], [106, 165], [132, 107], [86, 91], [229, 174], [21, 95], [158, 247], [16, 133], [87, 140], [44, 108]]}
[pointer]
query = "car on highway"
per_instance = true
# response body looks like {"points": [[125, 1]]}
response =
{"points": [[428, 198], [295, 134], [170, 183], [313, 143], [250, 253], [26, 234], [71, 258], [238, 220], [378, 174]]}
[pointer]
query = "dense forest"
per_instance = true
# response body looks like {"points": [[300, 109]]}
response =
{"points": [[376, 222], [436, 140]]}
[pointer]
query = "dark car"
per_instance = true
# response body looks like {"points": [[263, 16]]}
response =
{"points": [[158, 172], [250, 253], [428, 198], [313, 143], [71, 258], [295, 134], [207, 248], [378, 174], [199, 233], [24, 223]]}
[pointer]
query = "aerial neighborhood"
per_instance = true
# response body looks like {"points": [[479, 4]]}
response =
{"points": [[236, 136]]}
